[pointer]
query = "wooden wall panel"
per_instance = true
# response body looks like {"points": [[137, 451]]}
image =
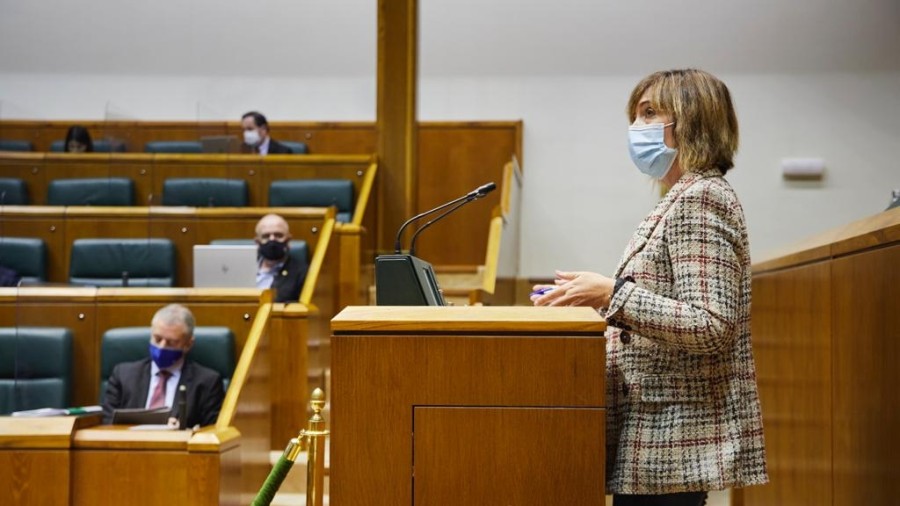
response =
{"points": [[480, 456], [34, 477], [454, 160], [791, 329], [825, 329], [866, 299]]}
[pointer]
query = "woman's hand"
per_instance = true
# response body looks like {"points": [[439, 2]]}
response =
{"points": [[575, 289]]}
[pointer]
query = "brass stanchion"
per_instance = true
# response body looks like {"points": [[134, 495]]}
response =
{"points": [[315, 435], [313, 438]]}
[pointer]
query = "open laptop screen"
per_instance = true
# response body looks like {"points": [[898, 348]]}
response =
{"points": [[225, 266]]}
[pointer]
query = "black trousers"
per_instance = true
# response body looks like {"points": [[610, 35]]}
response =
{"points": [[679, 499]]}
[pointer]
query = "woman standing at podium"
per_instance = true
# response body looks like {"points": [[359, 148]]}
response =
{"points": [[683, 408]]}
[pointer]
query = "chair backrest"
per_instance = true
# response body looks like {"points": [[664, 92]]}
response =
{"points": [[35, 368], [314, 193], [109, 191], [106, 262], [205, 192], [100, 146], [15, 145], [213, 348], [297, 148], [298, 250], [13, 192], [25, 255], [173, 147]]}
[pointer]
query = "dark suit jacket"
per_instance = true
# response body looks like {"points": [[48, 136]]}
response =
{"points": [[130, 382], [277, 148], [288, 281]]}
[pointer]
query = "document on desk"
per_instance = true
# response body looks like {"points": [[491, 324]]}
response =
{"points": [[153, 426]]}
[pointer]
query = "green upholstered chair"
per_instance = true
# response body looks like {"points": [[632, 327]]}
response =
{"points": [[108, 191], [173, 147], [25, 255], [109, 262], [100, 146], [205, 192], [15, 145], [13, 192], [299, 250], [297, 148], [314, 193], [213, 348], [35, 368]]}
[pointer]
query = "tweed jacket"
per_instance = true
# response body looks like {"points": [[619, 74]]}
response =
{"points": [[683, 408]]}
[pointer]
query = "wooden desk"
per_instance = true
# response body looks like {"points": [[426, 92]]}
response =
{"points": [[826, 341], [35, 458], [505, 406], [115, 465]]}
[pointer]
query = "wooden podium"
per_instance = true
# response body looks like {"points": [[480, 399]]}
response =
{"points": [[467, 405]]}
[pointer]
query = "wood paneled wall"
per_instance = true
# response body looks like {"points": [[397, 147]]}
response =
{"points": [[826, 333]]}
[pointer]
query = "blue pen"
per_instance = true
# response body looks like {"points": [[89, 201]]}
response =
{"points": [[542, 291]]}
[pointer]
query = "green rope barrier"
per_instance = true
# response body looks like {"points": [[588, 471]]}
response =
{"points": [[277, 474]]}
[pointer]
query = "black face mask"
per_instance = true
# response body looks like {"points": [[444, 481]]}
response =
{"points": [[273, 250]]}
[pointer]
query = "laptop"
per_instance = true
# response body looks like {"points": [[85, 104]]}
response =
{"points": [[220, 144], [225, 266]]}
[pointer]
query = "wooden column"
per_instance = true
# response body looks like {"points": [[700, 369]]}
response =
{"points": [[396, 115]]}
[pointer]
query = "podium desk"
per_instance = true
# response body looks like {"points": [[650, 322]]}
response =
{"points": [[467, 405], [114, 465], [35, 458]]}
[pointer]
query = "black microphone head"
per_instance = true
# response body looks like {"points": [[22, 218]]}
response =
{"points": [[485, 189]]}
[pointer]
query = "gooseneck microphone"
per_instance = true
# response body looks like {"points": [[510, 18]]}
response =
{"points": [[404, 280], [182, 407], [477, 193]]}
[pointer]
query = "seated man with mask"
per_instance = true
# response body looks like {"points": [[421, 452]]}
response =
{"points": [[276, 268], [256, 136], [153, 382]]}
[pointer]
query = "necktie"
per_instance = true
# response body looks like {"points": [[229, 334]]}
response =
{"points": [[158, 399]]}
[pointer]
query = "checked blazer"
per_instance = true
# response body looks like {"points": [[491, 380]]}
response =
{"points": [[683, 407]]}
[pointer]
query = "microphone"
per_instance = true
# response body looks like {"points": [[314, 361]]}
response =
{"points": [[182, 407], [477, 193], [404, 280]]}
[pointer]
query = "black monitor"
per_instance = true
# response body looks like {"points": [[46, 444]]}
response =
{"points": [[405, 280]]}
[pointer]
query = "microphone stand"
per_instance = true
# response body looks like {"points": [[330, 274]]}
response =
{"points": [[412, 243]]}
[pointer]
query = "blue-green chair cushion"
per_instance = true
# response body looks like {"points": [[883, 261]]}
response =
{"points": [[109, 191], [173, 147], [297, 148], [15, 145], [35, 368], [25, 255], [205, 192], [13, 192], [102, 262], [314, 193]]}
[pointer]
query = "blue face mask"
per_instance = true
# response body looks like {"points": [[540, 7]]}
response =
{"points": [[164, 357], [648, 149]]}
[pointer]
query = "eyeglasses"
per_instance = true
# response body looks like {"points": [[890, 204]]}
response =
{"points": [[272, 235]]}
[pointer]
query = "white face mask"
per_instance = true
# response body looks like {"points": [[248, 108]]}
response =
{"points": [[251, 137]]}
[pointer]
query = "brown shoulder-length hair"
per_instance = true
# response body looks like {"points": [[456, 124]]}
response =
{"points": [[706, 127]]}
